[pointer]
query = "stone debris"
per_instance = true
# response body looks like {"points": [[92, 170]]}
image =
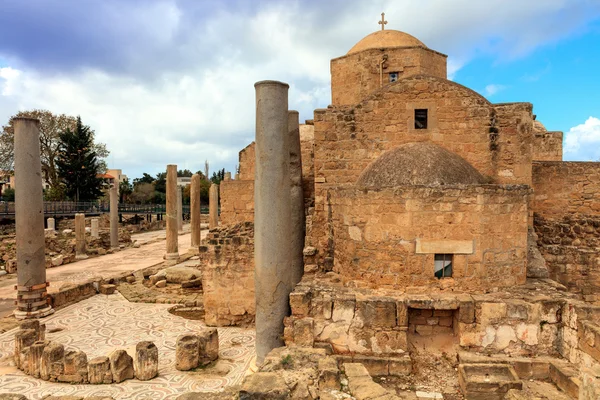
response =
{"points": [[121, 366], [99, 370], [194, 350], [146, 361]]}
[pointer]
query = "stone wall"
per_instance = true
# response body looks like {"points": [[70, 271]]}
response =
{"points": [[227, 256], [548, 146], [247, 159], [563, 188], [237, 201], [356, 76], [567, 222], [307, 147], [379, 323], [389, 237], [579, 340]]}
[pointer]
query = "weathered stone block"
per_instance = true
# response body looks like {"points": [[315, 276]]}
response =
{"points": [[377, 313], [107, 289], [401, 313], [264, 386], [52, 363], [329, 374], [187, 352], [303, 332], [75, 370], [121, 366], [99, 370], [300, 302], [343, 308], [208, 344], [24, 338], [146, 361], [34, 361]]}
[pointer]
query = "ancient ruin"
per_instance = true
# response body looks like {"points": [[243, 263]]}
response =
{"points": [[411, 241]]}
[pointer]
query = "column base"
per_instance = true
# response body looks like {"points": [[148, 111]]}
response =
{"points": [[44, 312], [194, 250], [171, 258], [82, 257]]}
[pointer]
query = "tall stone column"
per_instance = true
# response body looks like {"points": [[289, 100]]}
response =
{"points": [[114, 217], [51, 224], [195, 212], [29, 221], [95, 228], [179, 209], [297, 198], [80, 245], [272, 216], [213, 206], [171, 214]]}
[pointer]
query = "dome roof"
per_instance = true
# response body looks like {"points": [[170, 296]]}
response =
{"points": [[419, 163], [386, 38]]}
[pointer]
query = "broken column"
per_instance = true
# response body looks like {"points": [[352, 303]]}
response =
{"points": [[179, 209], [51, 224], [80, 245], [195, 212], [297, 197], [187, 352], [95, 228], [29, 221], [172, 250], [213, 206], [146, 360], [114, 217], [272, 216]]}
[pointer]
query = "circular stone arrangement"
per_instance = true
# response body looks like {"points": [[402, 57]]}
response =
{"points": [[49, 361]]}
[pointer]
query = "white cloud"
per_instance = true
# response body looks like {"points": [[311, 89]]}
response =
{"points": [[492, 89], [198, 101], [582, 142]]}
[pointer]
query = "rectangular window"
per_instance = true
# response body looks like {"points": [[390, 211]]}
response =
{"points": [[443, 266], [421, 118], [394, 76]]}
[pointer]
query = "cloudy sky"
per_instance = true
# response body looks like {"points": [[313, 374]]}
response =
{"points": [[171, 81]]}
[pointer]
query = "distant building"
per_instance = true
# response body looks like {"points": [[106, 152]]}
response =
{"points": [[184, 181]]}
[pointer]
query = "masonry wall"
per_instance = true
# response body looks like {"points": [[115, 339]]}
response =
{"points": [[307, 147], [567, 222], [237, 201], [356, 76], [380, 236], [547, 146], [247, 159], [227, 257], [495, 139]]}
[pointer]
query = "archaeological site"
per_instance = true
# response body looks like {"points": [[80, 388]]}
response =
{"points": [[412, 240]]}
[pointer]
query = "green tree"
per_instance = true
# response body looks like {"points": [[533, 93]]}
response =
{"points": [[8, 194], [142, 193], [160, 184], [51, 126], [184, 173], [218, 176], [125, 190], [146, 178], [78, 164]]}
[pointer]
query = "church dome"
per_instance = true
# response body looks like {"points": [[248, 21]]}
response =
{"points": [[419, 163], [386, 38]]}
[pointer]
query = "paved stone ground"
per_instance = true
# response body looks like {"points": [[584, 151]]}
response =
{"points": [[150, 253], [102, 324]]}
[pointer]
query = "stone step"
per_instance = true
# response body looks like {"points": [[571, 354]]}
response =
{"points": [[566, 376], [400, 365]]}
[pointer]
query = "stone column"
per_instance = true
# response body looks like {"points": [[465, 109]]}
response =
{"points": [[213, 206], [95, 228], [29, 221], [171, 214], [195, 212], [80, 245], [179, 209], [114, 217], [51, 224], [272, 216], [297, 198]]}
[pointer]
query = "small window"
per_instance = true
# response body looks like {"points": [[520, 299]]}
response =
{"points": [[421, 119], [394, 76], [443, 266]]}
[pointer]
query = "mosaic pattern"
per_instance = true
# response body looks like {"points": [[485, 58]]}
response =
{"points": [[102, 324]]}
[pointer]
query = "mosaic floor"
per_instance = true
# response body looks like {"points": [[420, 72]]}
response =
{"points": [[102, 324]]}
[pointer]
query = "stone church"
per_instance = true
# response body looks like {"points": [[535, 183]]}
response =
{"points": [[429, 210]]}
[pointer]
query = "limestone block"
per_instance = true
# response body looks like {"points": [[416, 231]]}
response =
{"points": [[52, 363], [34, 360], [192, 283], [390, 342], [146, 361], [121, 366], [300, 303], [505, 334], [377, 314], [491, 313], [528, 333], [107, 289], [590, 384], [75, 370], [160, 284], [208, 342], [24, 338], [329, 374], [58, 260], [99, 370], [264, 386], [187, 352], [303, 332], [343, 309], [401, 313]]}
